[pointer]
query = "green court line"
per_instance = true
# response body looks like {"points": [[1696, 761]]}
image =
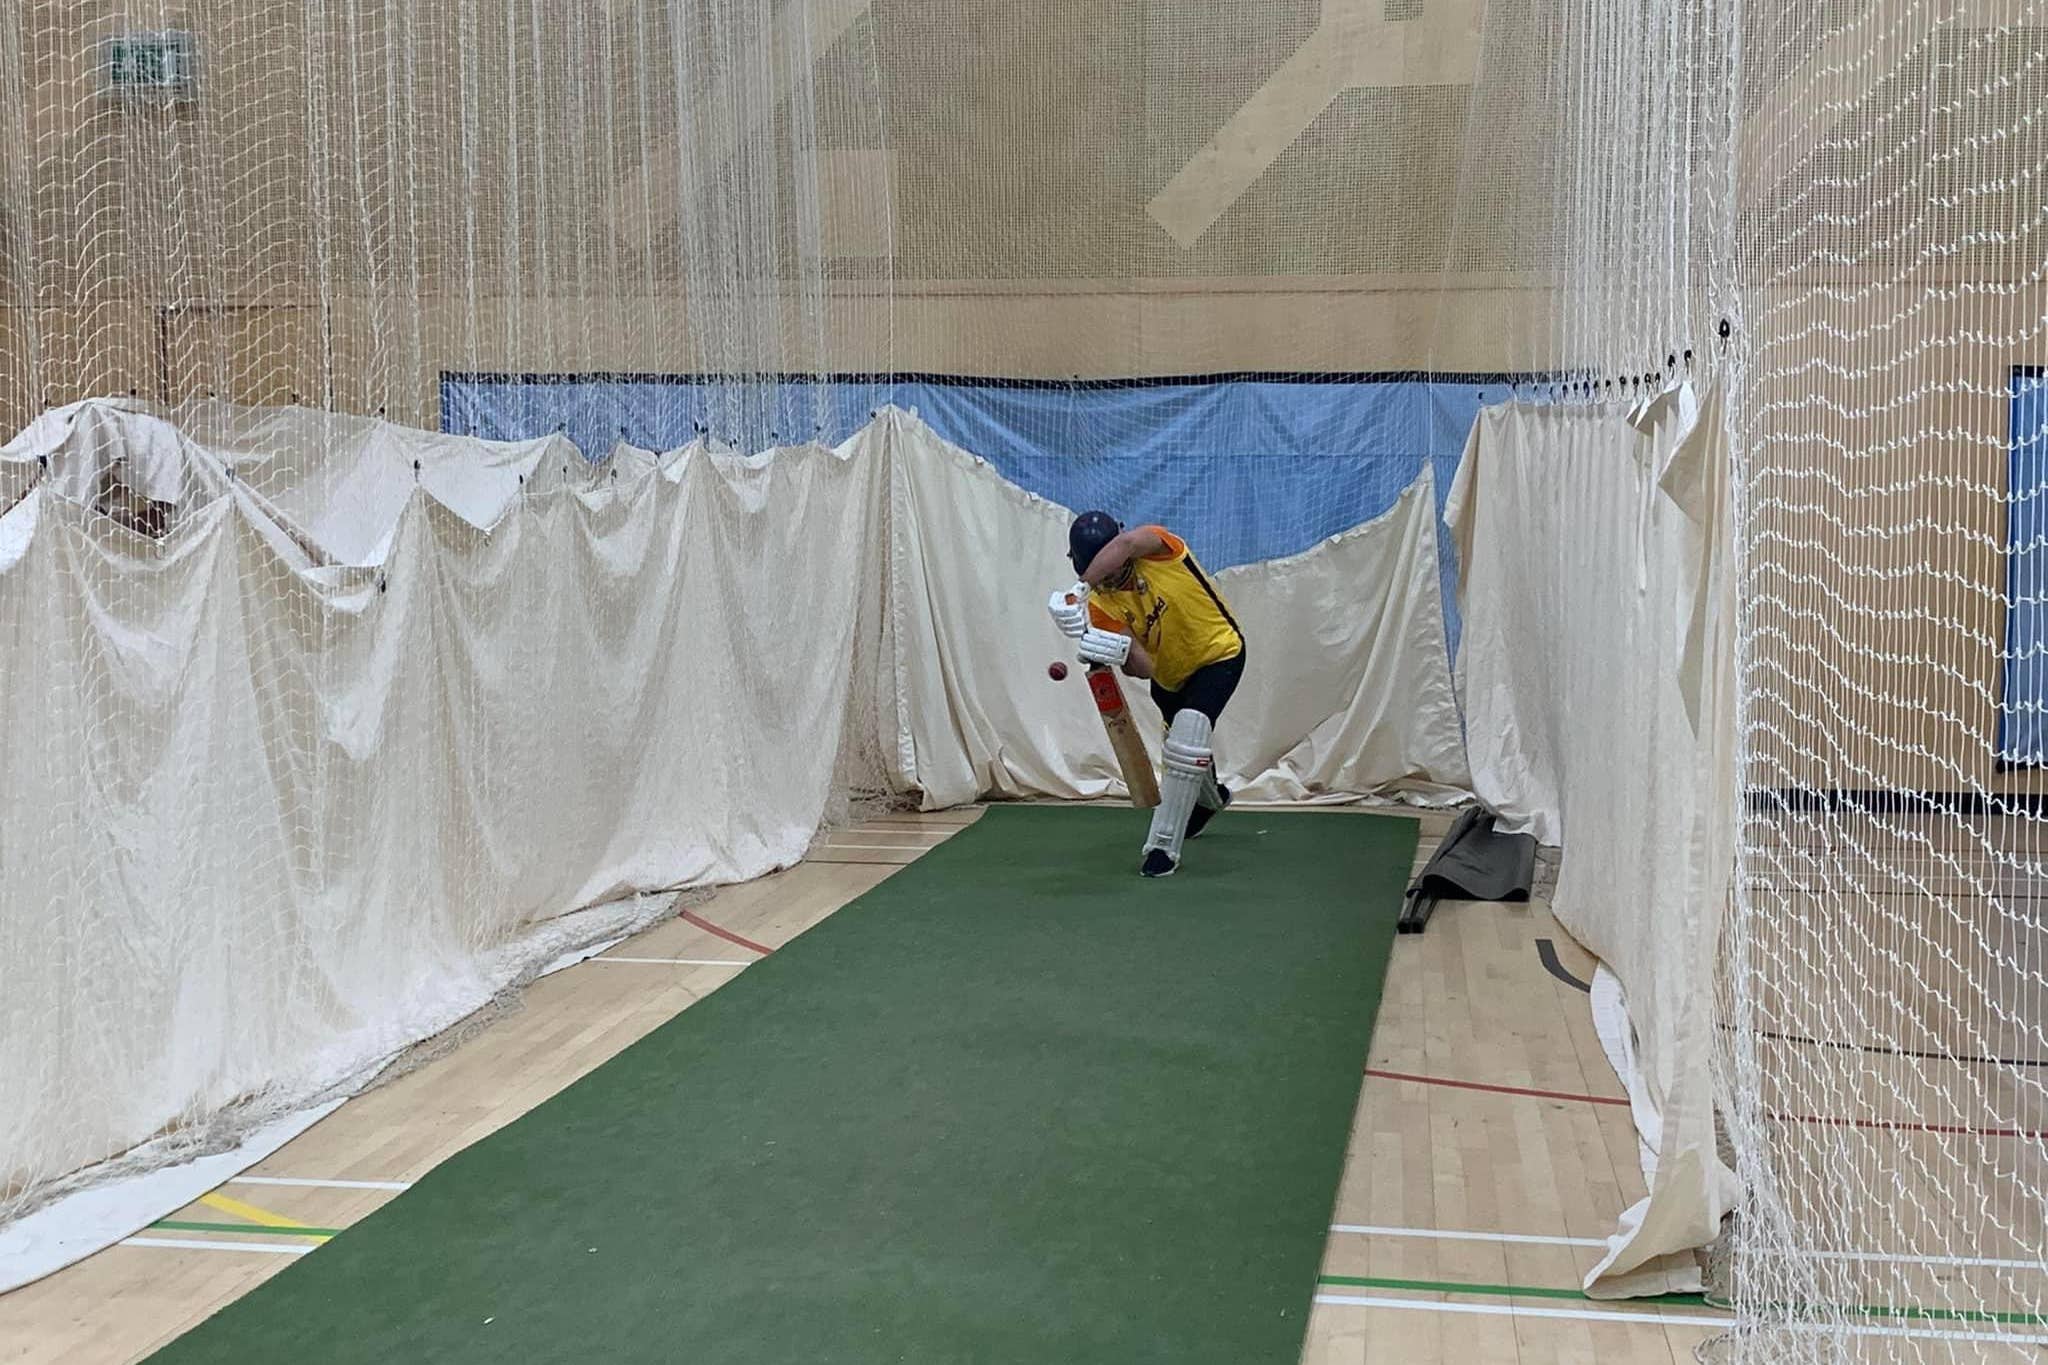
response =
{"points": [[1949, 1315], [179, 1225], [1525, 1291]]}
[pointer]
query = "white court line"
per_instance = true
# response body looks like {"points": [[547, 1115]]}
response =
{"points": [[1495, 1310], [189, 1244], [1501, 1310], [1886, 1257], [678, 961], [292, 1182], [829, 847], [1363, 1230]]}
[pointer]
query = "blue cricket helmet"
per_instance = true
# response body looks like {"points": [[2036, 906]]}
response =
{"points": [[1089, 533]]}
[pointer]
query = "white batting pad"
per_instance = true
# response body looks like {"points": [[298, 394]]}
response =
{"points": [[1190, 770]]}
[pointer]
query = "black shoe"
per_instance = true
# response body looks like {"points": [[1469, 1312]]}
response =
{"points": [[1199, 817], [1157, 864]]}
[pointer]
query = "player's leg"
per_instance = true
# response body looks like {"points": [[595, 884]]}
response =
{"points": [[1212, 800], [1209, 691], [1210, 688], [1188, 772], [1169, 704]]}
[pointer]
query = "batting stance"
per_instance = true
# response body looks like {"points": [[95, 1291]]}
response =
{"points": [[1145, 606]]}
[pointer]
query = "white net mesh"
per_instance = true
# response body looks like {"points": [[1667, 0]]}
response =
{"points": [[1886, 1051], [298, 763], [1856, 189], [1594, 198], [320, 725]]}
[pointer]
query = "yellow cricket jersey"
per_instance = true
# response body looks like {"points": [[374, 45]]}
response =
{"points": [[1172, 608]]}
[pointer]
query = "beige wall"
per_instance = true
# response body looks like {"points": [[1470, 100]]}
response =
{"points": [[1878, 516], [259, 354], [420, 187], [329, 207], [1893, 173]]}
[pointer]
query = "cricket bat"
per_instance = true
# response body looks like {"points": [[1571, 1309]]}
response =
{"points": [[1123, 736]]}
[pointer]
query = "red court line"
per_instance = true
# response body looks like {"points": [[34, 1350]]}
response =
{"points": [[1493, 1089], [1886, 1125], [692, 917]]}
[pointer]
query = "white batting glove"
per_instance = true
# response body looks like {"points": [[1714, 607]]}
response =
{"points": [[1105, 647], [1070, 617]]}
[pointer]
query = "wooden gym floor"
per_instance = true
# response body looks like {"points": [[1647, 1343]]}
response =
{"points": [[1491, 1148]]}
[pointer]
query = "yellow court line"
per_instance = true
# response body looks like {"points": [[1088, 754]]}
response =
{"points": [[229, 1204]]}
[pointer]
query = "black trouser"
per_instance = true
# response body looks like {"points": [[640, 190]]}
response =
{"points": [[1207, 689]]}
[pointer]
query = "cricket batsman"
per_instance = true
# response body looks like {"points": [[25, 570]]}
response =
{"points": [[1145, 606]]}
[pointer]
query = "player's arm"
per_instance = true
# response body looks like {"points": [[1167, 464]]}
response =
{"points": [[1140, 542], [1109, 641]]}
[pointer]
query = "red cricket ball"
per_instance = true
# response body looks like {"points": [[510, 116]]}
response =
{"points": [[1057, 671]]}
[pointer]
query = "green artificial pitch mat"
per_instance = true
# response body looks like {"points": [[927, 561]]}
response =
{"points": [[1014, 1104]]}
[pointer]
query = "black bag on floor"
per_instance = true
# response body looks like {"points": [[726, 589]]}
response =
{"points": [[1475, 862]]}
